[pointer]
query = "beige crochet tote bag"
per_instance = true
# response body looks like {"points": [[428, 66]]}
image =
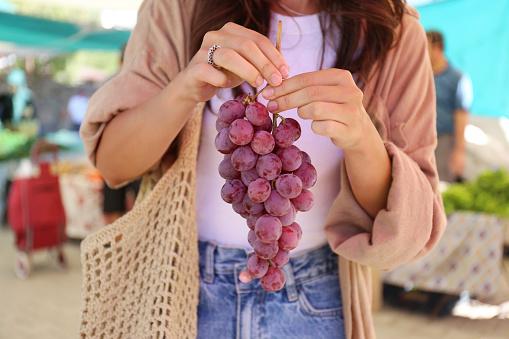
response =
{"points": [[140, 274]]}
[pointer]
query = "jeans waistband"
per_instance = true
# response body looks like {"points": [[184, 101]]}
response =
{"points": [[215, 259]]}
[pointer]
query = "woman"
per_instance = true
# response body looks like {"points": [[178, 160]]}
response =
{"points": [[357, 74]]}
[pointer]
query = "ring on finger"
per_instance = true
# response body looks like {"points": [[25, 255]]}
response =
{"points": [[210, 55]]}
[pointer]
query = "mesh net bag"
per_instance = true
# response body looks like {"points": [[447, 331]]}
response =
{"points": [[140, 274]]}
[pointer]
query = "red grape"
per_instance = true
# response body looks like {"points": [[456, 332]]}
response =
{"points": [[268, 166], [276, 205], [238, 207], [268, 228], [233, 191], [252, 207], [267, 126], [257, 267], [281, 259], [297, 228], [257, 113], [251, 238], [273, 280], [265, 250], [241, 132], [307, 174], [226, 170], [289, 186], [252, 219], [244, 159], [295, 124], [289, 238], [263, 142], [259, 190], [291, 158], [285, 135], [220, 124], [304, 201], [223, 142], [306, 157], [241, 98], [289, 217], [249, 176], [231, 110]]}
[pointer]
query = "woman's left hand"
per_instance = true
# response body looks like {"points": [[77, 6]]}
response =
{"points": [[331, 99]]}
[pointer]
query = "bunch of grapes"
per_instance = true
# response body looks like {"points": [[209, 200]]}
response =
{"points": [[267, 182]]}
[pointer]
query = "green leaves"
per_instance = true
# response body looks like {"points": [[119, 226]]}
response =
{"points": [[489, 193]]}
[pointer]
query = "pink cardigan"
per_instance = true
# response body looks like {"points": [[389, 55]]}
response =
{"points": [[400, 99]]}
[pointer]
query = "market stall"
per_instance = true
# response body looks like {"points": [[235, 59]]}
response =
{"points": [[81, 184]]}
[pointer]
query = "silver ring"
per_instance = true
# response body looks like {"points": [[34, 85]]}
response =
{"points": [[210, 54]]}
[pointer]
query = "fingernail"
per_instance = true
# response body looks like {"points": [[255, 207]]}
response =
{"points": [[272, 106], [268, 92], [285, 71], [259, 81], [228, 83], [276, 79]]}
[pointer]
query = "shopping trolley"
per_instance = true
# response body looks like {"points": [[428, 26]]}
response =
{"points": [[35, 211]]}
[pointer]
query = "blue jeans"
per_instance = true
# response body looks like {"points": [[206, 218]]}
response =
{"points": [[309, 306]]}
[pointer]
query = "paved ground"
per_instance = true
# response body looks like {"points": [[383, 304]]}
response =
{"points": [[46, 306]]}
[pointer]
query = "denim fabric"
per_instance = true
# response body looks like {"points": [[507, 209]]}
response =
{"points": [[309, 306]]}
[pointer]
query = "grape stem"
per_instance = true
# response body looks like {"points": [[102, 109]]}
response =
{"points": [[278, 47], [273, 184], [274, 121]]}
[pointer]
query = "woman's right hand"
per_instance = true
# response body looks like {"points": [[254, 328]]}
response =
{"points": [[244, 55]]}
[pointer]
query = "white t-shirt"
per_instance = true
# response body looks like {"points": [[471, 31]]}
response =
{"points": [[301, 46], [77, 107]]}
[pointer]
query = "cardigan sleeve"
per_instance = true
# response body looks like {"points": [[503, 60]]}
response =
{"points": [[154, 54], [413, 220]]}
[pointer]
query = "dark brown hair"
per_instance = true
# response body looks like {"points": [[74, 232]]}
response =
{"points": [[436, 38], [368, 27]]}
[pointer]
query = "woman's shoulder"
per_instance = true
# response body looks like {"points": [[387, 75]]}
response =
{"points": [[410, 24]]}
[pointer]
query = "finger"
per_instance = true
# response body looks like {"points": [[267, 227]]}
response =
{"points": [[307, 95], [232, 61], [265, 46], [328, 128], [328, 77], [207, 74], [263, 68], [321, 111]]}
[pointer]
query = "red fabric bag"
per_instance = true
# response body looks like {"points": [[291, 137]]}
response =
{"points": [[34, 208]]}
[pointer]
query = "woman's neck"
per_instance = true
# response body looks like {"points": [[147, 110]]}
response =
{"points": [[296, 7]]}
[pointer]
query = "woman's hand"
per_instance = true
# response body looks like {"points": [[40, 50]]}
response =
{"points": [[334, 102], [331, 99], [244, 55]]}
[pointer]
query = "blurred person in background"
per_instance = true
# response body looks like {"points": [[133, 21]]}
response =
{"points": [[22, 97], [5, 105], [77, 107], [454, 97]]}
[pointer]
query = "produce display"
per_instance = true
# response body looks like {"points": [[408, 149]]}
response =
{"points": [[267, 182], [14, 145], [489, 193]]}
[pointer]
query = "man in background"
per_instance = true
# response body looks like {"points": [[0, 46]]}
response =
{"points": [[454, 98], [77, 107]]}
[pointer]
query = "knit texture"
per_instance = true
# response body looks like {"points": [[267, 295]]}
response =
{"points": [[140, 274]]}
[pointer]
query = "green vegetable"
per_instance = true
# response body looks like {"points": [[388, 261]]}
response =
{"points": [[489, 193]]}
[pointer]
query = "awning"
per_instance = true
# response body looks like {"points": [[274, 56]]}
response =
{"points": [[28, 32]]}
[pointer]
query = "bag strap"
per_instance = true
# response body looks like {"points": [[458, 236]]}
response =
{"points": [[43, 146], [187, 150]]}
